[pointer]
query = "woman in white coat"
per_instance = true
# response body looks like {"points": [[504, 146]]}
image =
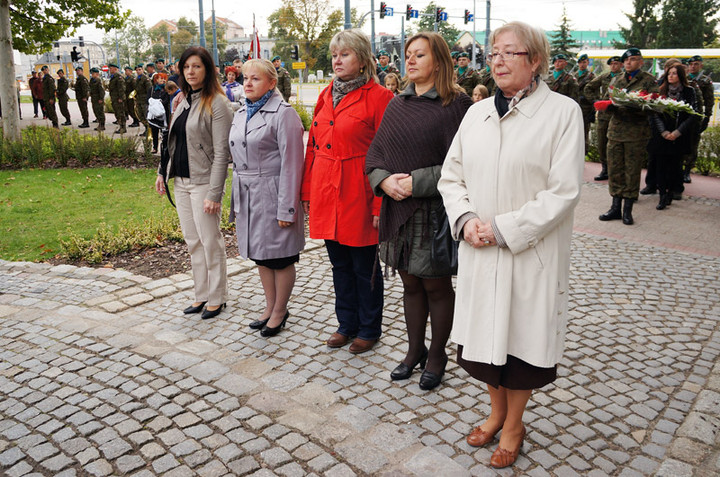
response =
{"points": [[266, 143], [509, 183]]}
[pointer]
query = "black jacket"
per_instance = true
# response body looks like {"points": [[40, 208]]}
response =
{"points": [[683, 122]]}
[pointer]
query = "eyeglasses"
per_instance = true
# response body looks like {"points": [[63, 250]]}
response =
{"points": [[507, 56]]}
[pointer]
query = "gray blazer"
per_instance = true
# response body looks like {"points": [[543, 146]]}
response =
{"points": [[268, 157], [207, 143]]}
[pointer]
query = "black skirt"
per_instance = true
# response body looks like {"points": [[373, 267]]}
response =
{"points": [[515, 374], [278, 263]]}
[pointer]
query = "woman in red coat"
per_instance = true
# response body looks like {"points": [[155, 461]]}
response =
{"points": [[336, 193]]}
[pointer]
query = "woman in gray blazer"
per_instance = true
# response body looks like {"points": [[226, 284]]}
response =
{"points": [[198, 160], [266, 143]]}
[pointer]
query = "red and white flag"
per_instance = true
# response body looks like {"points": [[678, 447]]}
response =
{"points": [[255, 42]]}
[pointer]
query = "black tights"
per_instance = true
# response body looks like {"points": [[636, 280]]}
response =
{"points": [[423, 296]]}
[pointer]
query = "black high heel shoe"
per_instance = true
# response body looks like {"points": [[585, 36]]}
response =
{"points": [[430, 380], [403, 371], [266, 331], [194, 309], [259, 324], [207, 314]]}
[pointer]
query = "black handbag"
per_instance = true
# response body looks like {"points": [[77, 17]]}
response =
{"points": [[444, 250], [164, 161]]}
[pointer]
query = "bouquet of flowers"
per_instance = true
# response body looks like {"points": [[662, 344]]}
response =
{"points": [[645, 102]]}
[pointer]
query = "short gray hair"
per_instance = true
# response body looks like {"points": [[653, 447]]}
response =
{"points": [[357, 41], [265, 67], [531, 38]]}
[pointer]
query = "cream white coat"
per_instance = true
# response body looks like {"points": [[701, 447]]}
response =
{"points": [[525, 171]]}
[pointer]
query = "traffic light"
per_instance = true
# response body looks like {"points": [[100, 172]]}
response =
{"points": [[295, 53], [383, 5], [82, 41], [56, 44], [408, 12], [74, 55], [467, 16], [438, 15]]}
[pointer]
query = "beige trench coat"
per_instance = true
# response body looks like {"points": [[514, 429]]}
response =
{"points": [[525, 171]]}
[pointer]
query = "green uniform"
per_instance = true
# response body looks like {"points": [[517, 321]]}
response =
{"points": [[117, 96], [143, 88], [597, 90], [48, 87], [707, 94], [97, 95], [468, 79], [130, 102], [628, 135], [62, 97], [564, 84], [588, 110], [284, 83], [487, 80], [82, 92]]}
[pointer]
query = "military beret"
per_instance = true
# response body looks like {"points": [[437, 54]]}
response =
{"points": [[559, 56], [614, 58], [150, 64], [112, 65], [44, 67], [631, 52], [382, 53], [696, 58], [94, 70], [463, 54], [79, 68], [159, 60], [276, 57], [139, 65], [583, 57], [127, 67], [61, 70], [454, 54], [685, 61]]}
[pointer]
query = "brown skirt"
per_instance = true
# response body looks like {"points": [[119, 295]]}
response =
{"points": [[515, 374]]}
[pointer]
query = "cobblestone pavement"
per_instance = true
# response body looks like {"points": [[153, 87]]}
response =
{"points": [[102, 374]]}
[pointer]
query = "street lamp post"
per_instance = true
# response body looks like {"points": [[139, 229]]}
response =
{"points": [[202, 24], [214, 30]]}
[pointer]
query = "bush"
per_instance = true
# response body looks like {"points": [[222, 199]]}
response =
{"points": [[305, 115], [709, 151]]}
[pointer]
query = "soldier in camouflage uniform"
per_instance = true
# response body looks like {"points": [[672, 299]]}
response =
{"points": [[284, 84], [487, 80], [82, 93], [117, 96], [62, 97], [160, 66], [130, 96], [628, 135], [143, 89], [583, 77], [384, 66], [49, 89], [467, 76], [97, 96], [597, 90], [704, 83], [560, 81]]}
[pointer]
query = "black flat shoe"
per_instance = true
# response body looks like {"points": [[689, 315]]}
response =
{"points": [[430, 380], [207, 314], [403, 371], [194, 309], [259, 324], [266, 331]]}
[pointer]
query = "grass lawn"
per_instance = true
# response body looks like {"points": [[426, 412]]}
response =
{"points": [[39, 206]]}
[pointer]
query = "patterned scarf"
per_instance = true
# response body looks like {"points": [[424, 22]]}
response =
{"points": [[254, 106], [505, 105], [675, 92], [341, 88]]}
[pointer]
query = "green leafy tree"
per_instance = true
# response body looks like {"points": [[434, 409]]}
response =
{"points": [[133, 40], [427, 23], [687, 23], [562, 41], [181, 40], [644, 25], [220, 30], [188, 25]]}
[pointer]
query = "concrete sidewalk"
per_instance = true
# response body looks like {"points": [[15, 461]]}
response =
{"points": [[102, 374]]}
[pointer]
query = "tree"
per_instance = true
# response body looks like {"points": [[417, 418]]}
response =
{"points": [[687, 23], [449, 33], [181, 41], [220, 30], [133, 40], [230, 54], [644, 25], [31, 27], [562, 41]]}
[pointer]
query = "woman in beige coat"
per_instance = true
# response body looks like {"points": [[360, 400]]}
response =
{"points": [[509, 183], [198, 160]]}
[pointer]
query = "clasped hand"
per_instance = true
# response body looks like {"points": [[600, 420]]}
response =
{"points": [[478, 234], [397, 186]]}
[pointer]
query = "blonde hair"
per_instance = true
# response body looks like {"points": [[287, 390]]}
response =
{"points": [[482, 89], [532, 39], [445, 84], [265, 67], [395, 77], [357, 41]]}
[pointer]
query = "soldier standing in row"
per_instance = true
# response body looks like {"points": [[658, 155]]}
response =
{"points": [[628, 136], [384, 66], [117, 97], [284, 84], [160, 66], [97, 96], [704, 83], [487, 80], [82, 93], [597, 90], [49, 89], [62, 97], [467, 77], [143, 89], [583, 77], [150, 67], [130, 96], [560, 81]]}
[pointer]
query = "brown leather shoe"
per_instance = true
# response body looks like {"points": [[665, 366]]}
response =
{"points": [[479, 438], [360, 345], [502, 458], [337, 340]]}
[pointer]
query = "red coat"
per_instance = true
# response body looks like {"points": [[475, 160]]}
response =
{"points": [[342, 203]]}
